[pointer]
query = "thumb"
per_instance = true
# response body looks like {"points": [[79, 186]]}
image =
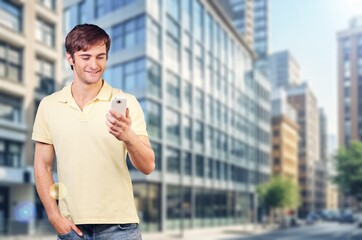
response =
{"points": [[77, 230]]}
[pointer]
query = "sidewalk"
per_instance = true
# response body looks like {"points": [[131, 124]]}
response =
{"points": [[219, 233]]}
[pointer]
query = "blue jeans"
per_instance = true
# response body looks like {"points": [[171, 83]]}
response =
{"points": [[129, 231]]}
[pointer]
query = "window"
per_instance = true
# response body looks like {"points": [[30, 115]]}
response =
{"points": [[198, 20], [199, 73], [199, 166], [173, 89], [187, 97], [210, 168], [48, 4], [67, 22], [134, 75], [173, 8], [103, 7], [10, 153], [172, 40], [10, 63], [154, 78], [199, 132], [158, 155], [188, 164], [10, 108], [173, 126], [186, 6], [188, 129], [173, 48], [45, 33], [82, 12], [154, 33], [134, 31], [153, 118], [173, 160], [199, 103], [129, 34], [11, 15], [45, 75]]}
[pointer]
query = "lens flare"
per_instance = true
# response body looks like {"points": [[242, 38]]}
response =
{"points": [[58, 191], [25, 212]]}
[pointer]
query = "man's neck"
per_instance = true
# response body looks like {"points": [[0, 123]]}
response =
{"points": [[83, 93]]}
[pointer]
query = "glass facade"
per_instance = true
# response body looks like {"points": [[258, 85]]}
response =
{"points": [[207, 112], [128, 34]]}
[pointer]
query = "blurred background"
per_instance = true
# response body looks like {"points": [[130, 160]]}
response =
{"points": [[241, 97]]}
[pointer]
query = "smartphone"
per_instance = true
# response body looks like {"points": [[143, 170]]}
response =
{"points": [[119, 104]]}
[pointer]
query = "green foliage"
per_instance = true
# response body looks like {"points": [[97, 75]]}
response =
{"points": [[279, 192], [349, 169]]}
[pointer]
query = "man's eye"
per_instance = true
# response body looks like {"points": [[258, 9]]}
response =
{"points": [[86, 59], [100, 58]]}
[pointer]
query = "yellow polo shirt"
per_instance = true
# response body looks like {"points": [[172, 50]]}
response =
{"points": [[91, 162]]}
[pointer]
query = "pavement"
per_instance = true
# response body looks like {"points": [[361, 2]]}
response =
{"points": [[216, 233]]}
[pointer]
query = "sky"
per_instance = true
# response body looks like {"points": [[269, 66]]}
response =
{"points": [[308, 29]]}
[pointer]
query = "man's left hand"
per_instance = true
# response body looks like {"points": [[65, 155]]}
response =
{"points": [[119, 125]]}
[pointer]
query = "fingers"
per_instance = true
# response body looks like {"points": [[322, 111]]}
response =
{"points": [[119, 116], [77, 230]]}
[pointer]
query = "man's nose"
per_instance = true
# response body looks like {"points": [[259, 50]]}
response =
{"points": [[93, 63]]}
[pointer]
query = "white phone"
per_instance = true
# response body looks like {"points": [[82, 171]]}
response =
{"points": [[119, 104]]}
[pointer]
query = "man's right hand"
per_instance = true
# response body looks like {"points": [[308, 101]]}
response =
{"points": [[63, 225]]}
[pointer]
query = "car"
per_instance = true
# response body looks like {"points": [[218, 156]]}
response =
{"points": [[358, 219], [311, 218], [295, 222], [346, 217]]}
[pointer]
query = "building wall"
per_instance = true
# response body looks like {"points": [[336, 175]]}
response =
{"points": [[30, 53], [303, 100], [285, 147], [251, 19], [283, 69], [332, 197], [350, 85]]}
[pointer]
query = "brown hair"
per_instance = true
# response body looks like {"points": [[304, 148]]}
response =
{"points": [[84, 36]]}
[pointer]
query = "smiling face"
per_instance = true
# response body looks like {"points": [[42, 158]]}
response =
{"points": [[89, 65]]}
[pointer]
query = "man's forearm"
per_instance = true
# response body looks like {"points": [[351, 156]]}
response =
{"points": [[142, 155], [44, 181]]}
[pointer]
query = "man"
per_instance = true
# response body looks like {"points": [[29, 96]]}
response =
{"points": [[90, 142]]}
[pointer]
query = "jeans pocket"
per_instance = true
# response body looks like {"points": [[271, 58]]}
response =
{"points": [[128, 226], [67, 235]]}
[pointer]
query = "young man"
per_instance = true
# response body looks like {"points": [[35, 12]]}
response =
{"points": [[90, 142]]}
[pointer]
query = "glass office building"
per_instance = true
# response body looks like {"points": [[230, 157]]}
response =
{"points": [[207, 109]]}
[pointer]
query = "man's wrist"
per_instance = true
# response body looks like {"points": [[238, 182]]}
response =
{"points": [[53, 217], [130, 137]]}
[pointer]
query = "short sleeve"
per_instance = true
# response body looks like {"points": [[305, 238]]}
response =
{"points": [[137, 117], [41, 131]]}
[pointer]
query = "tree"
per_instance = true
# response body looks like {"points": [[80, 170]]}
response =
{"points": [[279, 193], [349, 169]]}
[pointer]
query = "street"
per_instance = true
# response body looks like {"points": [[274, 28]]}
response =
{"points": [[319, 231]]}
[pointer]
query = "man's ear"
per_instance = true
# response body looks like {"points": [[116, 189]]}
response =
{"points": [[70, 59]]}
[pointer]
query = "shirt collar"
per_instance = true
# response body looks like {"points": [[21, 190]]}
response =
{"points": [[104, 94]]}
